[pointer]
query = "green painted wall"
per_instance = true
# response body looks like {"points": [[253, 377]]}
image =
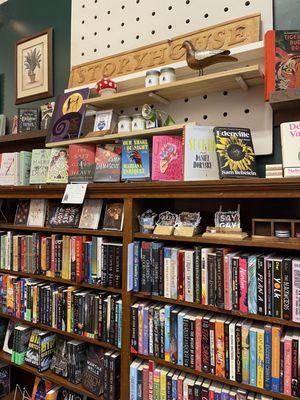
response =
{"points": [[22, 18]]}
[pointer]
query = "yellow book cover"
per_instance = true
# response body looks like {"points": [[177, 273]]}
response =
{"points": [[163, 383], [34, 304], [10, 293], [69, 307], [15, 253], [220, 347], [276, 336], [66, 269], [260, 357], [43, 255]]}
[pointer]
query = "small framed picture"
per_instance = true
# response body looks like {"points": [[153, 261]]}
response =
{"points": [[105, 120], [34, 67]]}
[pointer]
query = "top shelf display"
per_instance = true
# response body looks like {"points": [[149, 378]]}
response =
{"points": [[244, 78]]}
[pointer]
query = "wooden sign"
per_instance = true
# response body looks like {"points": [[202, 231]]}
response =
{"points": [[222, 36]]}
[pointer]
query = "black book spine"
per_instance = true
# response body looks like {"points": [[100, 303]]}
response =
{"points": [[145, 268], [287, 288], [162, 333], [197, 275], [155, 270], [211, 279], [139, 384], [205, 346], [192, 329], [100, 318], [197, 391], [238, 354], [156, 333], [220, 279], [118, 268], [111, 265], [205, 394], [114, 298], [226, 343], [190, 392], [235, 283], [260, 286], [277, 289], [134, 329], [186, 342], [105, 333], [77, 305], [269, 282], [295, 376], [106, 375], [114, 377], [169, 387], [161, 271]]}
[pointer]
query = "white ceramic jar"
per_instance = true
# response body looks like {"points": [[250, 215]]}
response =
{"points": [[138, 122], [167, 75], [152, 78], [124, 124]]}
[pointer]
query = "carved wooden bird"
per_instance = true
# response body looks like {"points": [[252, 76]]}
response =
{"points": [[200, 59]]}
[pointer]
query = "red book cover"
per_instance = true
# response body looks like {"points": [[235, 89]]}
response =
{"points": [[146, 382], [151, 379], [52, 257], [220, 347], [198, 343], [227, 284], [167, 158], [243, 284], [23, 254], [108, 163], [81, 162], [79, 258], [181, 275]]}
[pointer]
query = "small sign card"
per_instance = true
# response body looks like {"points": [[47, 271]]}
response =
{"points": [[166, 223], [147, 221], [188, 224], [74, 193]]}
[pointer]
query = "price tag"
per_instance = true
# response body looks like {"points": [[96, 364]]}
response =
{"points": [[74, 193]]}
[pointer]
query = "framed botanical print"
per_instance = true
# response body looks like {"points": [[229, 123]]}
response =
{"points": [[34, 67]]}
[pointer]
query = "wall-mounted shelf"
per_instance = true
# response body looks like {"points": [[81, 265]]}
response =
{"points": [[111, 137], [244, 78], [32, 136], [286, 104]]}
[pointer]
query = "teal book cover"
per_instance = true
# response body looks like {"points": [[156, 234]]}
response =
{"points": [[135, 159], [252, 285]]}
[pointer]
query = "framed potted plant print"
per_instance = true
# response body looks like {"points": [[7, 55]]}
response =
{"points": [[34, 67]]}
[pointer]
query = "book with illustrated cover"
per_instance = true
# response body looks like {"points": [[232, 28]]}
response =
{"points": [[68, 116], [65, 215], [282, 60], [24, 168], [290, 139], [59, 362], [235, 152], [37, 212], [200, 157], [135, 159], [42, 388], [108, 163], [113, 218], [2, 124], [4, 380], [28, 119], [167, 158], [67, 394], [22, 212], [9, 168], [9, 337], [90, 215], [15, 125], [58, 166], [93, 372], [40, 159], [40, 349], [46, 114], [81, 162]]}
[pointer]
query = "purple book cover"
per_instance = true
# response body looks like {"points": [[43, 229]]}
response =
{"points": [[146, 331], [68, 116]]}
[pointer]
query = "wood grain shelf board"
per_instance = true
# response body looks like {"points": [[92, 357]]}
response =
{"points": [[258, 188], [285, 99], [215, 378], [209, 308], [225, 80], [23, 137], [69, 231], [58, 380], [63, 281], [60, 332], [147, 133], [273, 243]]}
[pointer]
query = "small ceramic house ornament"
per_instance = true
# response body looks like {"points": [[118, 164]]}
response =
{"points": [[106, 87]]}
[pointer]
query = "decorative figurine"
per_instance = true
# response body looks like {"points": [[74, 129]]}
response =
{"points": [[188, 224], [200, 59], [106, 87], [147, 221], [166, 223], [154, 117]]}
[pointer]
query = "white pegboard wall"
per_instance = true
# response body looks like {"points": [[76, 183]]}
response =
{"points": [[101, 28]]}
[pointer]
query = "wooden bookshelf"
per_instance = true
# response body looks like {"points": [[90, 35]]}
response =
{"points": [[33, 136], [226, 80], [52, 377], [102, 137]]}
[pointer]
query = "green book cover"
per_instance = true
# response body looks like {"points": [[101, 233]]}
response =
{"points": [[39, 166], [24, 171], [58, 166]]}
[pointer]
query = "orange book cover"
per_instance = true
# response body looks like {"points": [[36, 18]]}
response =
{"points": [[23, 251], [220, 347], [276, 336], [43, 256]]}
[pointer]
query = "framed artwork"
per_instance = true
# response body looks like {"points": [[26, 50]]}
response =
{"points": [[34, 67]]}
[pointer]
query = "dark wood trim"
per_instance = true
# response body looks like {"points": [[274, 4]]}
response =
{"points": [[48, 93], [22, 138]]}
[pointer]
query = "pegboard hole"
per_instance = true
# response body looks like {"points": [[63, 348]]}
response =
{"points": [[153, 32], [122, 41], [137, 37], [186, 119], [187, 21], [170, 27], [82, 54], [108, 28], [206, 15], [95, 33], [108, 46], [247, 3], [226, 9], [225, 93], [95, 16], [121, 111], [187, 2], [247, 111], [204, 116], [205, 96], [123, 7], [123, 23], [170, 8], [83, 5], [108, 12], [137, 1], [82, 22], [225, 114], [153, 13], [95, 50], [186, 100], [82, 37], [137, 19], [136, 109]]}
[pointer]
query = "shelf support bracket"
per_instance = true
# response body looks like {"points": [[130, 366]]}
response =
{"points": [[158, 98], [241, 82]]}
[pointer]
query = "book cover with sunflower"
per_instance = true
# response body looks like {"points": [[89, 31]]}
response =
{"points": [[235, 152]]}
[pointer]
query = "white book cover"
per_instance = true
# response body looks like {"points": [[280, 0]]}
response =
{"points": [[167, 272], [189, 275], [37, 212], [232, 350], [200, 157], [204, 274], [296, 289], [290, 147], [9, 168], [174, 273]]}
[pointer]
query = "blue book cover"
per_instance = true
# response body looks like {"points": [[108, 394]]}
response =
{"points": [[119, 319], [281, 379], [130, 267], [146, 330], [135, 159], [180, 337], [134, 380], [268, 357], [225, 394], [136, 266], [253, 349], [174, 388], [252, 285], [168, 310]]}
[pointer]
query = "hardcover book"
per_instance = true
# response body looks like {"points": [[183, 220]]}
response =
{"points": [[282, 61], [68, 116], [46, 114], [4, 380], [108, 163], [2, 124], [167, 158], [40, 349], [135, 159], [81, 162], [37, 212], [9, 337], [58, 166], [235, 152], [39, 166], [93, 372], [65, 216], [200, 158], [22, 212], [24, 168], [113, 218], [28, 119], [9, 163], [290, 140], [90, 215]]}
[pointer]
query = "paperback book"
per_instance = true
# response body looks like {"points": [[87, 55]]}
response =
{"points": [[28, 119], [24, 168], [113, 217], [9, 163], [108, 163], [58, 166], [290, 139], [46, 114], [65, 216], [39, 166], [37, 212], [167, 158], [81, 162], [22, 212], [135, 159], [91, 213]]}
